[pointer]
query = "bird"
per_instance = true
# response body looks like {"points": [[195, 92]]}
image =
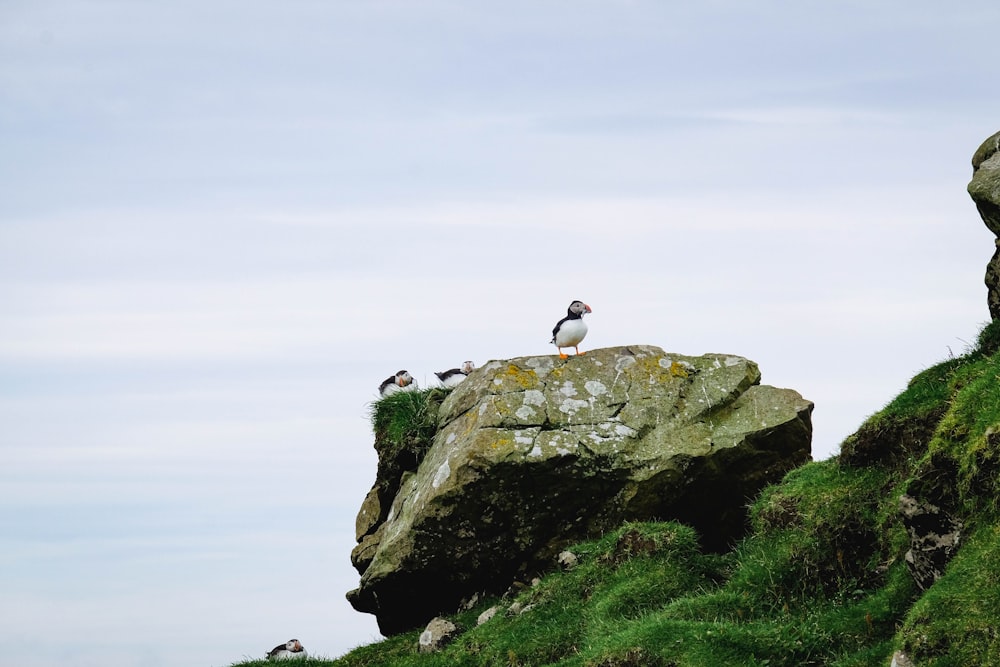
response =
{"points": [[452, 377], [290, 649], [397, 382], [570, 330]]}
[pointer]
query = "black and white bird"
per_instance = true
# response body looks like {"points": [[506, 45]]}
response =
{"points": [[570, 330], [453, 376], [397, 382], [290, 649]]}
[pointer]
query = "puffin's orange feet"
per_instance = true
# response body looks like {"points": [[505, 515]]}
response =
{"points": [[563, 356]]}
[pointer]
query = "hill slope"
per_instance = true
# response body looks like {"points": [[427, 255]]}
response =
{"points": [[821, 580]]}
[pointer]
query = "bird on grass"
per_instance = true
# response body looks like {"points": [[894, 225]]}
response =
{"points": [[570, 330], [454, 376], [290, 649], [397, 382]]}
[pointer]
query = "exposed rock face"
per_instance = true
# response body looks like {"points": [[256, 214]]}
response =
{"points": [[985, 192], [537, 452], [934, 538]]}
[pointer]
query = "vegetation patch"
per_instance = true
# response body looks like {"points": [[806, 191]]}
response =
{"points": [[955, 622], [823, 531], [960, 469], [404, 424], [406, 421]]}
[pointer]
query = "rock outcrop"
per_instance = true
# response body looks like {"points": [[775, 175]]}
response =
{"points": [[985, 192], [934, 539], [536, 452]]}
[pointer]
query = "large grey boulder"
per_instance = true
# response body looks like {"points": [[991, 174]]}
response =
{"points": [[537, 452], [984, 188]]}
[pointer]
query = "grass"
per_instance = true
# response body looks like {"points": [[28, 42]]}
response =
{"points": [[404, 424], [820, 579], [407, 419], [822, 533], [955, 622], [960, 467]]}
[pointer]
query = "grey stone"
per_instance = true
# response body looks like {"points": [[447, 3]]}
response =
{"points": [[535, 453], [567, 560], [362, 555], [518, 608], [487, 615], [369, 516], [984, 188], [438, 633]]}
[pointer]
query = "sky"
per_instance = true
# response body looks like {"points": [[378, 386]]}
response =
{"points": [[223, 224]]}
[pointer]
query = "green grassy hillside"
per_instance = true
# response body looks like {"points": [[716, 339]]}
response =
{"points": [[820, 580]]}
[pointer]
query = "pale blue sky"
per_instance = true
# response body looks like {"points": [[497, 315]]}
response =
{"points": [[222, 224]]}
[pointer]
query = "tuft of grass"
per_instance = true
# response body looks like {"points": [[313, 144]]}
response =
{"points": [[405, 424]]}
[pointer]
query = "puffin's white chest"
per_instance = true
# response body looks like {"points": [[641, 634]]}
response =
{"points": [[571, 332], [289, 655], [453, 380]]}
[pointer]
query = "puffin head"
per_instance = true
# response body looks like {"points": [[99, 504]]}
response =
{"points": [[579, 308], [468, 367], [403, 378]]}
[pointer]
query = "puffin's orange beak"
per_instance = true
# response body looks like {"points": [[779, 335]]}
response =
{"points": [[588, 308]]}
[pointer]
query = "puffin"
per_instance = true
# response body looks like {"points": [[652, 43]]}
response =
{"points": [[570, 330], [290, 649], [397, 382], [452, 377]]}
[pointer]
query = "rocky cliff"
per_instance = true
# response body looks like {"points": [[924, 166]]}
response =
{"points": [[984, 188], [533, 453]]}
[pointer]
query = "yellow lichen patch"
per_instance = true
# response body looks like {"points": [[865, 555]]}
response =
{"points": [[677, 370], [648, 369], [499, 449], [524, 379]]}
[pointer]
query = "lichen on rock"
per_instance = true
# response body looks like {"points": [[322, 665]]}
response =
{"points": [[533, 453]]}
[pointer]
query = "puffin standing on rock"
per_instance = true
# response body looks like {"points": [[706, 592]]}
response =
{"points": [[571, 329], [452, 377], [397, 382], [290, 649]]}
